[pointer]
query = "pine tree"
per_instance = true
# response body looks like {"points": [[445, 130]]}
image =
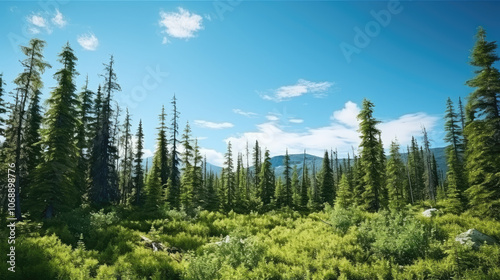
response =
{"points": [[327, 191], [126, 163], [256, 164], [187, 179], [370, 157], [430, 180], [287, 191], [482, 130], [305, 185], [228, 178], [138, 178], [173, 190], [197, 177], [103, 175], [279, 193], [266, 180], [344, 193], [55, 191], [84, 137], [162, 150], [396, 177], [416, 166], [32, 153], [211, 199], [28, 83], [154, 197], [454, 158]]}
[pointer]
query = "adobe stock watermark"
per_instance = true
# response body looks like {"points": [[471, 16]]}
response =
{"points": [[151, 81], [48, 7], [222, 7], [362, 38]]}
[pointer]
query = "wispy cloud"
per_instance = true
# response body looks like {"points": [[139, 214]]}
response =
{"points": [[88, 41], [341, 133], [213, 125], [296, 120], [182, 24], [243, 113], [272, 118], [300, 88], [213, 156], [58, 19]]}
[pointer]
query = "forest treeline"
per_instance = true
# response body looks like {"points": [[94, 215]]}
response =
{"points": [[78, 150]]}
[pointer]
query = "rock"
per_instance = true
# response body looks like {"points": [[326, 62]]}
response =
{"points": [[156, 246], [429, 212], [474, 238]]}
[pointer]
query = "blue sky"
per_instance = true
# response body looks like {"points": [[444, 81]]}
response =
{"points": [[291, 74]]}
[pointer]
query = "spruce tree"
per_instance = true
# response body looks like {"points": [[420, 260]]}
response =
{"points": [[187, 179], [229, 178], [370, 157], [103, 175], [396, 177], [173, 190], [344, 194], [3, 108], [197, 177], [138, 178], [327, 191], [295, 187], [279, 193], [266, 180], [126, 163], [55, 191], [287, 187], [305, 184], [28, 83], [482, 130]]}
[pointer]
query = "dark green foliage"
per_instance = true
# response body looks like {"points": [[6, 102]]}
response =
{"points": [[266, 185], [482, 130], [228, 193], [305, 184], [344, 193], [138, 178], [327, 188], [174, 189], [103, 175], [371, 161], [126, 162], [29, 82], [55, 191], [287, 187], [3, 108], [396, 178], [32, 153]]}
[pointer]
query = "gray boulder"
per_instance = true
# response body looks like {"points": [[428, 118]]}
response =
{"points": [[429, 212], [474, 238]]}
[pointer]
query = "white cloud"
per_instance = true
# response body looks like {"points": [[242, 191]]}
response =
{"points": [[165, 41], [37, 20], [243, 113], [272, 118], [88, 41], [300, 88], [213, 125], [348, 115], [181, 24], [341, 134], [296, 120], [59, 20], [34, 30], [213, 156]]}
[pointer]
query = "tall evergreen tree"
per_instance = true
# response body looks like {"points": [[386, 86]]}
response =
{"points": [[430, 180], [32, 153], [126, 184], [266, 180], [327, 191], [55, 191], [287, 187], [138, 178], [305, 184], [295, 187], [256, 164], [229, 178], [197, 176], [28, 83], [370, 157], [174, 189], [482, 129], [395, 178], [187, 179], [279, 193], [103, 175], [84, 137], [344, 193], [162, 150]]}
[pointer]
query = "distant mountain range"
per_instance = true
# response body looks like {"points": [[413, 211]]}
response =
{"points": [[312, 161]]}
